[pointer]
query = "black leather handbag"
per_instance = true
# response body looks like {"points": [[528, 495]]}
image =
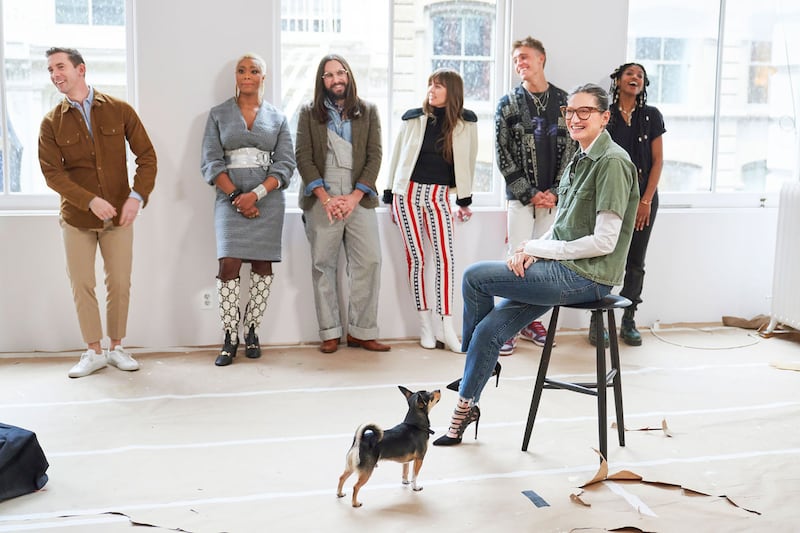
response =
{"points": [[23, 465]]}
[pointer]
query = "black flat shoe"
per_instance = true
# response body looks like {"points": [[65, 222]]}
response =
{"points": [[252, 349], [227, 352], [457, 383]]}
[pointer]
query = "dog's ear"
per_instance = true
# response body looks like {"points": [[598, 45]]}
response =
{"points": [[422, 400], [407, 393]]}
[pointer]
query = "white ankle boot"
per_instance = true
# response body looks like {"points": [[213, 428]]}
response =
{"points": [[447, 334], [427, 339]]}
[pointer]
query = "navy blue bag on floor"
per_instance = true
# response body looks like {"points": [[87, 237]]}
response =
{"points": [[22, 462]]}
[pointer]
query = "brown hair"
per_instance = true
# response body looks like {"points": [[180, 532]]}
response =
{"points": [[530, 42], [454, 106], [352, 103], [75, 57]]}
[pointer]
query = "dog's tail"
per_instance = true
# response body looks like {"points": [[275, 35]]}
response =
{"points": [[367, 437]]}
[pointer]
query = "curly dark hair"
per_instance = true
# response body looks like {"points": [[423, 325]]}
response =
{"points": [[641, 98]]}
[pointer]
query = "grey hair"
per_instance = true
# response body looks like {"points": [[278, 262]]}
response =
{"points": [[600, 94]]}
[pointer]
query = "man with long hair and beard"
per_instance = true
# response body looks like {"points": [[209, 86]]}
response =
{"points": [[338, 154]]}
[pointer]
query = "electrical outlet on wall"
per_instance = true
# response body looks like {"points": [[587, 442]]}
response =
{"points": [[207, 300]]}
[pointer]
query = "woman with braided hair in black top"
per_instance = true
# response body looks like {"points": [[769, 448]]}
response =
{"points": [[637, 127]]}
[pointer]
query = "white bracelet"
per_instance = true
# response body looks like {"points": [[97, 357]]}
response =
{"points": [[260, 191]]}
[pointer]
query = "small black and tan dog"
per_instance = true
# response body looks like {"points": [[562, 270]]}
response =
{"points": [[406, 442]]}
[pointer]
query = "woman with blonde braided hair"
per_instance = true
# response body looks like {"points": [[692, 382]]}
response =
{"points": [[638, 128]]}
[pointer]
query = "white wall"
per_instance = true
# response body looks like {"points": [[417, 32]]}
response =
{"points": [[702, 264]]}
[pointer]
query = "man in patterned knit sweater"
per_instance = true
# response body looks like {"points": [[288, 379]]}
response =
{"points": [[533, 149]]}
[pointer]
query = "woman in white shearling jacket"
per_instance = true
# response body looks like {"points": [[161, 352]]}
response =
{"points": [[434, 154]]}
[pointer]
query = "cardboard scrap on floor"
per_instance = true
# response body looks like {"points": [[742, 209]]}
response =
{"points": [[663, 428], [757, 322], [135, 522], [626, 491], [760, 323]]}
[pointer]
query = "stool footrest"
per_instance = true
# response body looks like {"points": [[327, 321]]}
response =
{"points": [[583, 388]]}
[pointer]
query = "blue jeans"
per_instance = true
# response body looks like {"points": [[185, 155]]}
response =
{"points": [[487, 326]]}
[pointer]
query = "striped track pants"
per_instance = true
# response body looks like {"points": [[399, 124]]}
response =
{"points": [[425, 209]]}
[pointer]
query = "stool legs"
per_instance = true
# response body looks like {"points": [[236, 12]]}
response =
{"points": [[617, 383], [599, 388], [602, 413], [544, 362]]}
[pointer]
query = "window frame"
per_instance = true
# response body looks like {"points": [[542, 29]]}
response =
{"points": [[494, 199], [714, 198], [22, 203]]}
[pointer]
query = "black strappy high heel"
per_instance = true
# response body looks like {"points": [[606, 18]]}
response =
{"points": [[473, 415], [497, 368]]}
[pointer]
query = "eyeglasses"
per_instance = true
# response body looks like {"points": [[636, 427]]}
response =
{"points": [[582, 112], [339, 74]]}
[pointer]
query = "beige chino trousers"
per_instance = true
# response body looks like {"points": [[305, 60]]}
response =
{"points": [[116, 247]]}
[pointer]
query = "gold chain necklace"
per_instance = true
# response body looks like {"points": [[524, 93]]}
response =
{"points": [[627, 115], [540, 102]]}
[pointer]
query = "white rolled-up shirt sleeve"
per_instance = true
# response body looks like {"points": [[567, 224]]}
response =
{"points": [[602, 242]]}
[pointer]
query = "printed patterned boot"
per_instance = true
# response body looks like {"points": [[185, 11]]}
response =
{"points": [[228, 292], [260, 287]]}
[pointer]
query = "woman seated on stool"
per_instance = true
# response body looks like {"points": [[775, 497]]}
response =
{"points": [[579, 260]]}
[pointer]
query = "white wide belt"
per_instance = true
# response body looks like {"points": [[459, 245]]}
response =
{"points": [[248, 158]]}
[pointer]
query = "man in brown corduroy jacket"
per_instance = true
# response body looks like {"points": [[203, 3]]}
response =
{"points": [[82, 152]]}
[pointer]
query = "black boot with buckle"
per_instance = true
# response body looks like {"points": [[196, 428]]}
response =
{"points": [[630, 335], [228, 292], [593, 334], [227, 352], [252, 349]]}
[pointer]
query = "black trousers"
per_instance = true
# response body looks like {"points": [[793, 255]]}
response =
{"points": [[634, 267]]}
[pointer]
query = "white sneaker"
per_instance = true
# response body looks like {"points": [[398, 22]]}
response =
{"points": [[91, 361], [121, 359]]}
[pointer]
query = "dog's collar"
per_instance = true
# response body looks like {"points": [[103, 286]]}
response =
{"points": [[422, 428]]}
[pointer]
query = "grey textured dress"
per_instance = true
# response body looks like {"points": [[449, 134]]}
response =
{"points": [[258, 238]]}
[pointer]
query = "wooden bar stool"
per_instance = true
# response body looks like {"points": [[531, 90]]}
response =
{"points": [[612, 378]]}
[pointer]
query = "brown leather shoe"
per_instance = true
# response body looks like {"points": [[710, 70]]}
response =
{"points": [[329, 346], [372, 345]]}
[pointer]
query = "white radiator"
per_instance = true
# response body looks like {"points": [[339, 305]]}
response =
{"points": [[786, 280]]}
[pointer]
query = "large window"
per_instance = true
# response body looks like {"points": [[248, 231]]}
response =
{"points": [[29, 28], [392, 48], [726, 76], [462, 40], [96, 12]]}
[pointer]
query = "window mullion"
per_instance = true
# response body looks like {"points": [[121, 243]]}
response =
{"points": [[4, 149], [390, 79], [717, 96]]}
